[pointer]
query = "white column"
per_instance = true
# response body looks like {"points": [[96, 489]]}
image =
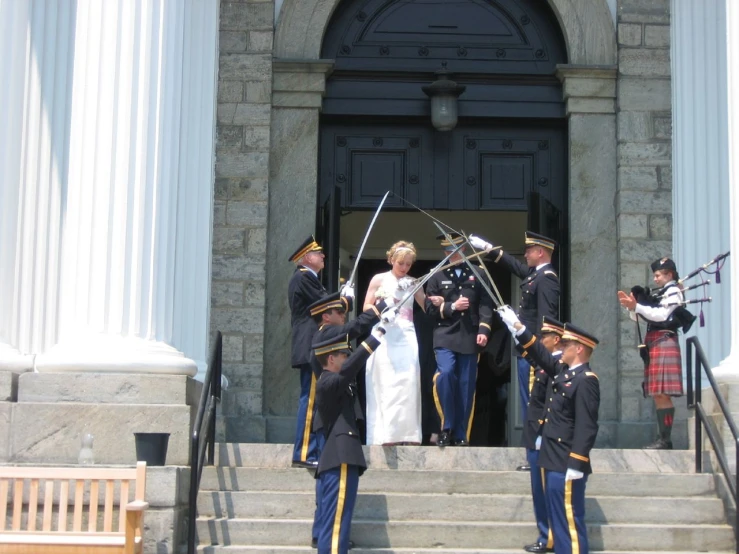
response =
{"points": [[729, 367], [701, 215], [128, 238]]}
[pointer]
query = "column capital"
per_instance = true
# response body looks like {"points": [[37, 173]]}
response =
{"points": [[299, 83], [588, 88]]}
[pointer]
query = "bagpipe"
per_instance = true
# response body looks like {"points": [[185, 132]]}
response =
{"points": [[680, 318]]}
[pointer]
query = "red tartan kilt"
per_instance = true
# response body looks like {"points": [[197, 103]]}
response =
{"points": [[664, 374]]}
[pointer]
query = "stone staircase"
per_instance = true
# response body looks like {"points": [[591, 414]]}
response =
{"points": [[457, 500]]}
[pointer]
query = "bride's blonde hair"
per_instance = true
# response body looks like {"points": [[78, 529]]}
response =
{"points": [[401, 249]]}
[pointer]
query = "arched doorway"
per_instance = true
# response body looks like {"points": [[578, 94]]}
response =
{"points": [[501, 170]]}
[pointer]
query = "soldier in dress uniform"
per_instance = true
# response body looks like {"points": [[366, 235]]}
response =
{"points": [[539, 296], [330, 315], [342, 460], [461, 330], [304, 289], [569, 429], [551, 333]]}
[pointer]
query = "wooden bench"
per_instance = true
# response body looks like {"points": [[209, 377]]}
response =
{"points": [[72, 495]]}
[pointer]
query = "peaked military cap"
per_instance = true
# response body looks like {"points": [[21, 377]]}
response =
{"points": [[456, 240], [551, 325], [664, 263], [309, 245], [328, 302], [535, 239], [335, 344], [575, 333]]}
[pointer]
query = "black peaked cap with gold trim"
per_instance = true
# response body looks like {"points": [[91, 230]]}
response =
{"points": [[333, 345], [551, 325], [333, 301], [456, 239], [309, 245], [535, 239], [583, 337]]}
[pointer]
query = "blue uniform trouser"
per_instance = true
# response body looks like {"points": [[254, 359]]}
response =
{"points": [[320, 442], [538, 493], [305, 439], [338, 495], [566, 504], [454, 391], [524, 385]]}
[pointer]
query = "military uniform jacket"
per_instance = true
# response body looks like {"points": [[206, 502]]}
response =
{"points": [[457, 330], [535, 413], [570, 410], [335, 400], [303, 290], [539, 290]]}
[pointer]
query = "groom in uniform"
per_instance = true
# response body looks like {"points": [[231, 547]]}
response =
{"points": [[462, 327]]}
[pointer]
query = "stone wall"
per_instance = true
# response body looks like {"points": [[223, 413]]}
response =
{"points": [[644, 202], [240, 219]]}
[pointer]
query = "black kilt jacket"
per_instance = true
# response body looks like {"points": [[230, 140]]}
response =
{"points": [[570, 410], [335, 400], [539, 290], [458, 330], [303, 290]]}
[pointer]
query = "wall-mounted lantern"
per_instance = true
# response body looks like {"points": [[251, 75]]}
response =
{"points": [[444, 94]]}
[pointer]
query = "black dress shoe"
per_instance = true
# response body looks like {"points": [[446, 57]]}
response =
{"points": [[524, 467], [463, 442], [537, 547], [660, 444], [314, 542], [445, 439], [308, 464]]}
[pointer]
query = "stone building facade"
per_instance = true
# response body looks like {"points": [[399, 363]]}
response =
{"points": [[270, 85]]}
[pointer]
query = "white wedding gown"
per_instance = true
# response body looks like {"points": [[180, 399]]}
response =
{"points": [[393, 377]]}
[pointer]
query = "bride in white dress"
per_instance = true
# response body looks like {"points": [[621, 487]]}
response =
{"points": [[393, 375]]}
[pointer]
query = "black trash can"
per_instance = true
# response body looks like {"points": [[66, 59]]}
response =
{"points": [[151, 448]]}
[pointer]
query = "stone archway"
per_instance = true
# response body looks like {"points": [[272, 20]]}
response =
{"points": [[587, 27], [589, 87]]}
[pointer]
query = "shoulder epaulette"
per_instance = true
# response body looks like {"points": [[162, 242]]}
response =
{"points": [[550, 272], [303, 269], [590, 374]]}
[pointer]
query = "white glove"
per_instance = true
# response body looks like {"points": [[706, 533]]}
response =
{"points": [[538, 443], [573, 474], [389, 301], [510, 319], [378, 332], [389, 315], [347, 290], [479, 244]]}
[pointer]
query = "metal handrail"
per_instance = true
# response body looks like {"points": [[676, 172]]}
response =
{"points": [[701, 421], [204, 433]]}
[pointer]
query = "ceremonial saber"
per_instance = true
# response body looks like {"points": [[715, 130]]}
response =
{"points": [[485, 269], [350, 282], [472, 268], [471, 256]]}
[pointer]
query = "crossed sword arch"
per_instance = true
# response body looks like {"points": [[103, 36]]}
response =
{"points": [[443, 264]]}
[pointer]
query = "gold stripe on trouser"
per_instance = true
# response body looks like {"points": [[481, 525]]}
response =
{"points": [[532, 374], [571, 518], [550, 536], [474, 397], [339, 511], [438, 402], [308, 418]]}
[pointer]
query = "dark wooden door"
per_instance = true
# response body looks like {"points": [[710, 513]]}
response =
{"points": [[328, 234], [473, 167]]}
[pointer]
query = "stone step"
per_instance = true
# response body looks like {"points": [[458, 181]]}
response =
{"points": [[261, 549], [410, 481], [459, 459], [457, 535], [460, 507]]}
